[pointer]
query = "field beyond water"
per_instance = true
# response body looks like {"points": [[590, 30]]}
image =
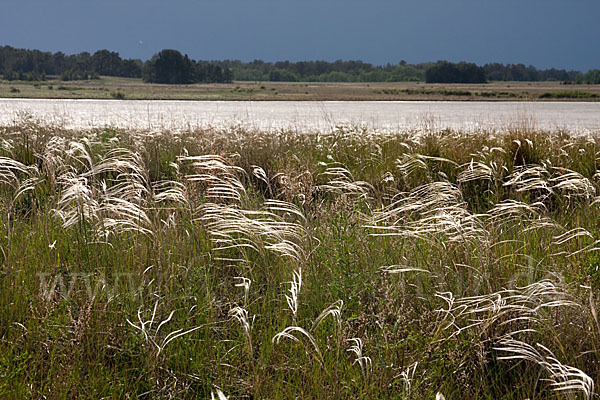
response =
{"points": [[135, 89], [243, 264]]}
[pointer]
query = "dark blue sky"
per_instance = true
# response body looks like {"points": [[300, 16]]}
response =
{"points": [[544, 33]]}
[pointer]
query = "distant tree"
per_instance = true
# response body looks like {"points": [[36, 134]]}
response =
{"points": [[60, 62], [592, 76], [373, 76], [282, 75], [446, 72], [131, 69], [9, 74], [335, 76], [442, 72], [406, 73], [169, 66], [470, 73], [81, 65], [106, 62], [227, 75]]}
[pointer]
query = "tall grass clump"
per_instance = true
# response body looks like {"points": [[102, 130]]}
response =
{"points": [[244, 264]]}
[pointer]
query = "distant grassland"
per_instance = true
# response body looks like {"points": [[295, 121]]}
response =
{"points": [[135, 89], [286, 265]]}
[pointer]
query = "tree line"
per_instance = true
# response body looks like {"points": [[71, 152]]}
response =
{"points": [[170, 66], [22, 64], [167, 66], [440, 72]]}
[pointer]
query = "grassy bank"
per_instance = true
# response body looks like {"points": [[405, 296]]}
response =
{"points": [[350, 265], [135, 89]]}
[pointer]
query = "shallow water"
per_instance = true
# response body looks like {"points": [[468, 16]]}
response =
{"points": [[306, 116]]}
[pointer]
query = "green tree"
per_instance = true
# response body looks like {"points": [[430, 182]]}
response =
{"points": [[106, 62], [447, 72], [282, 75], [169, 66], [593, 76]]}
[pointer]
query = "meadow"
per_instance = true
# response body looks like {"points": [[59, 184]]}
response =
{"points": [[242, 264], [135, 89]]}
